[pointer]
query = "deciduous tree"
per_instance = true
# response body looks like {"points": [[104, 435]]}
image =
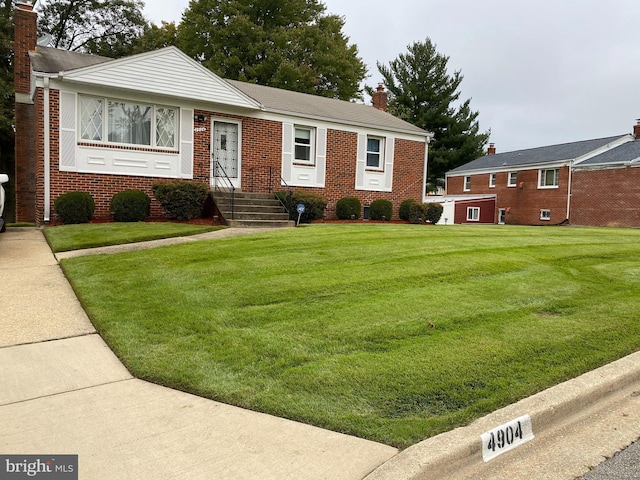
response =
{"points": [[290, 44], [101, 27]]}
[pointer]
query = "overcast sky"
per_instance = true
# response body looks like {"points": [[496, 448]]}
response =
{"points": [[539, 73]]}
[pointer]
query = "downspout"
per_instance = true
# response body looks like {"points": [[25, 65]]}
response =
{"points": [[47, 153], [569, 190], [424, 175]]}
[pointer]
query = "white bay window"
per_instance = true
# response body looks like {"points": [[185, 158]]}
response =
{"points": [[128, 123]]}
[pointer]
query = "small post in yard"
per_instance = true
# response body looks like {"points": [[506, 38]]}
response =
{"points": [[300, 210]]}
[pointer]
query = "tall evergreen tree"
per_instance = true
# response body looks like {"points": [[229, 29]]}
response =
{"points": [[288, 44], [423, 93]]}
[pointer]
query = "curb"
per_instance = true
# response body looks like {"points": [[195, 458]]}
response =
{"points": [[442, 456]]}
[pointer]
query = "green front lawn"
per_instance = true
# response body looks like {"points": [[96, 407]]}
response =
{"points": [[90, 235], [390, 332]]}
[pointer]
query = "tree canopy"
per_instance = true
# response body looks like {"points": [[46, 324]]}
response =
{"points": [[290, 44], [101, 27], [423, 93]]}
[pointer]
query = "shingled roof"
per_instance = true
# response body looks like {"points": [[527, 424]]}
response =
{"points": [[278, 100], [52, 60], [535, 156], [626, 153]]}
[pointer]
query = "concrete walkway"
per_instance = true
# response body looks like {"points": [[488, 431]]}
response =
{"points": [[63, 391]]}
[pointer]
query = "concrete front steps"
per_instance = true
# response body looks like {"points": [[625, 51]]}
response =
{"points": [[252, 210]]}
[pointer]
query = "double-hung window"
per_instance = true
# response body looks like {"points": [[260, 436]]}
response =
{"points": [[473, 214], [549, 178], [131, 123], [303, 145], [467, 183], [492, 180], [375, 156], [513, 179]]}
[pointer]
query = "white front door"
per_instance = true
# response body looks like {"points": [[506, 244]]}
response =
{"points": [[225, 151]]}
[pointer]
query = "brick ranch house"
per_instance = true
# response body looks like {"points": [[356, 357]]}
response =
{"points": [[592, 183], [102, 125]]}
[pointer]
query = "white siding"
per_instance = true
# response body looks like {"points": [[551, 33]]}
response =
{"points": [[297, 175], [164, 72], [374, 180]]}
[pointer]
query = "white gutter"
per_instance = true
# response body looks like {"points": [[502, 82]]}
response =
{"points": [[47, 153]]}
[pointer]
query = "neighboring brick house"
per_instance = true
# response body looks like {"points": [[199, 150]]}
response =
{"points": [[546, 185], [606, 188], [102, 125]]}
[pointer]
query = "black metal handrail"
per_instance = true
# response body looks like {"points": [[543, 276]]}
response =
{"points": [[256, 178], [228, 189]]}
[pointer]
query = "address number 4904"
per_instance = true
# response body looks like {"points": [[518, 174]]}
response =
{"points": [[506, 437]]}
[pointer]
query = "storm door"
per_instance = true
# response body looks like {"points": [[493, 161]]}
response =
{"points": [[225, 151]]}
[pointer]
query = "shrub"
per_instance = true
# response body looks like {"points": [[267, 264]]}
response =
{"points": [[381, 210], [314, 205], [417, 213], [348, 207], [181, 200], [74, 207], [130, 206], [433, 212], [404, 208]]}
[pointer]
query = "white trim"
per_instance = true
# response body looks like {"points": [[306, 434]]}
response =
{"points": [[470, 214], [493, 179], [556, 178], [543, 216], [466, 183], [47, 152], [237, 181], [509, 184]]}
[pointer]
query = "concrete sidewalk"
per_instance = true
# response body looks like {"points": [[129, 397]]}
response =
{"points": [[63, 391]]}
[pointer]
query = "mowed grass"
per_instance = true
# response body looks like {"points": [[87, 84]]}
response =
{"points": [[63, 238], [389, 332]]}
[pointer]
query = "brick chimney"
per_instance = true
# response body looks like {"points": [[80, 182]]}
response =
{"points": [[380, 98], [25, 31], [492, 149], [26, 39], [636, 130]]}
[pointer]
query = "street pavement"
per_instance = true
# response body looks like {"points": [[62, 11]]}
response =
{"points": [[63, 391]]}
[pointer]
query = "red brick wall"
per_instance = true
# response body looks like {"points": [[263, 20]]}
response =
{"points": [[607, 198], [25, 148], [522, 202], [261, 163], [342, 147]]}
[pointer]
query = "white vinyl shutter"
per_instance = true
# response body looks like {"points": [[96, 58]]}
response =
{"points": [[321, 156], [388, 163], [361, 161], [287, 151], [68, 132], [186, 143]]}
